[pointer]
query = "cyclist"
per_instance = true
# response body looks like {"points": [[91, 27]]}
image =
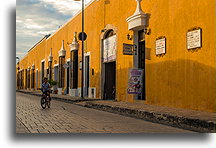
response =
{"points": [[46, 88]]}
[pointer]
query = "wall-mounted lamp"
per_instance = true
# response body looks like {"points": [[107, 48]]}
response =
{"points": [[147, 31], [129, 37], [103, 30], [68, 43]]}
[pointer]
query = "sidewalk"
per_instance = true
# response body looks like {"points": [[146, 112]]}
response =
{"points": [[186, 119]]}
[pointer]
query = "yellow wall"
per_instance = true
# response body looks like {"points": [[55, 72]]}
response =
{"points": [[180, 78]]}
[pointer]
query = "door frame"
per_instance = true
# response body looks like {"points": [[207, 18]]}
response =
{"points": [[136, 64], [41, 79], [84, 68], [67, 75], [104, 86], [36, 79]]}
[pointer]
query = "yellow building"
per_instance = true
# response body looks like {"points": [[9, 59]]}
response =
{"points": [[172, 41]]}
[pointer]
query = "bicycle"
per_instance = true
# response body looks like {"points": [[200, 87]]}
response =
{"points": [[45, 100]]}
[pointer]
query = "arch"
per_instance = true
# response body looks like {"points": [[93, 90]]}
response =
{"points": [[109, 33], [106, 29], [108, 88]]}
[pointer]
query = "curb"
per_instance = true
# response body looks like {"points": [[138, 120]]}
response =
{"points": [[196, 125], [59, 98]]}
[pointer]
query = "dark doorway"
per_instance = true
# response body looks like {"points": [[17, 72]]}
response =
{"points": [[110, 81], [141, 61], [68, 81], [26, 79], [42, 71], [86, 75]]}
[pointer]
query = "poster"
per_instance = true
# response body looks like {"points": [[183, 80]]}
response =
{"points": [[135, 82], [109, 53]]}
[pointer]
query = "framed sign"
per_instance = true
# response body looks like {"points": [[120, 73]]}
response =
{"points": [[135, 82], [109, 53], [160, 45], [65, 65], [127, 49], [194, 38]]}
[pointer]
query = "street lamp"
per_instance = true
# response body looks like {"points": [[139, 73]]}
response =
{"points": [[18, 59], [82, 38]]}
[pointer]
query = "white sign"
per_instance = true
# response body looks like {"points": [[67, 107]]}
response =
{"points": [[135, 83], [65, 66], [194, 39], [160, 46], [109, 53]]}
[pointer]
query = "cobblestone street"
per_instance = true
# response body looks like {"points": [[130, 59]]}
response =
{"points": [[68, 118]]}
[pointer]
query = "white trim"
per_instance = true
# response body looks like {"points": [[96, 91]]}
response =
{"points": [[138, 20], [90, 95], [55, 65], [59, 91], [68, 60], [43, 60]]}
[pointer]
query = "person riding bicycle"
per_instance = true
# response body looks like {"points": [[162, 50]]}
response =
{"points": [[45, 87]]}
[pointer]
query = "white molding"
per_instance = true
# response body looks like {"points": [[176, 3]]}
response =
{"points": [[62, 51], [73, 92], [90, 92], [139, 20], [43, 60], [59, 91], [68, 60], [55, 65], [87, 53]]}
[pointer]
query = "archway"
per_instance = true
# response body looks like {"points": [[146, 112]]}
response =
{"points": [[109, 65]]}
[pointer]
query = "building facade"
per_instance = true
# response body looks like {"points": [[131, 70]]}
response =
{"points": [[170, 43]]}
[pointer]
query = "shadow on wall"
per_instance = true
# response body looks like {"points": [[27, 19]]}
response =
{"points": [[182, 84]]}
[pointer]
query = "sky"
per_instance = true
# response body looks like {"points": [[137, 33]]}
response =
{"points": [[37, 18]]}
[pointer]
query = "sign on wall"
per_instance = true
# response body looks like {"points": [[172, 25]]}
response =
{"points": [[127, 49], [160, 45], [65, 65], [194, 39], [135, 82], [109, 53]]}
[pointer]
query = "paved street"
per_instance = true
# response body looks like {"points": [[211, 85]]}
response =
{"points": [[68, 118]]}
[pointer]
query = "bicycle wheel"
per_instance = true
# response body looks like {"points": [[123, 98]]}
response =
{"points": [[43, 102], [48, 102]]}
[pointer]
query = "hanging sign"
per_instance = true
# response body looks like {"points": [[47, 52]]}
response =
{"points": [[109, 53], [135, 82], [194, 39]]}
